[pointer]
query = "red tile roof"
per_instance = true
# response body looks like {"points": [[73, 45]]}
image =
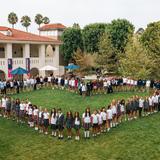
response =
{"points": [[52, 27], [18, 35]]}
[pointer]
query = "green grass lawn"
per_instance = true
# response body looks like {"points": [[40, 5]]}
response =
{"points": [[138, 139], [71, 101]]}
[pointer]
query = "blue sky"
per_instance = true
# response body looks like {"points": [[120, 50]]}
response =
{"points": [[139, 12]]}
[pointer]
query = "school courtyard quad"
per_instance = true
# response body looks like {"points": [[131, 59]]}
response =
{"points": [[137, 139]]}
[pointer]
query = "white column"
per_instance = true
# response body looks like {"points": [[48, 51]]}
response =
{"points": [[42, 51], [57, 58], [26, 51], [8, 55], [57, 55], [8, 50]]}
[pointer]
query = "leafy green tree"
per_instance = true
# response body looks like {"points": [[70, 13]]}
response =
{"points": [[107, 57], [72, 40], [46, 20], [12, 19], [136, 62], [91, 35], [151, 40], [26, 22], [121, 30], [39, 19]]}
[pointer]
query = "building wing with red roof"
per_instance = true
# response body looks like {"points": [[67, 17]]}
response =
{"points": [[18, 35], [55, 26]]}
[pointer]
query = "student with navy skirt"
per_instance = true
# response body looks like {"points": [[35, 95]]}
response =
{"points": [[46, 120], [69, 124], [86, 122], [60, 123], [53, 122], [77, 125]]}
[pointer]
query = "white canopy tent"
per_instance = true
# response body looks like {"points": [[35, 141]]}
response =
{"points": [[48, 68]]}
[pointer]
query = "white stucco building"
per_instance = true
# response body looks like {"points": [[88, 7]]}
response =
{"points": [[30, 51]]}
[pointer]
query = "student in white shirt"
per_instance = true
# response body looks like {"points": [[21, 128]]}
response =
{"points": [[46, 120], [53, 122], [84, 90], [21, 113], [30, 115], [104, 118], [109, 118], [77, 125], [40, 120], [150, 105], [3, 105], [100, 122], [114, 112], [35, 116], [141, 106], [94, 119], [86, 118], [155, 102]]}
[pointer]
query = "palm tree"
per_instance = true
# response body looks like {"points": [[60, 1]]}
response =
{"points": [[76, 26], [38, 19], [26, 22], [46, 20], [12, 19]]}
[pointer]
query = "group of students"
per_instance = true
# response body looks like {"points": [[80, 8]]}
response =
{"points": [[86, 88], [100, 120]]}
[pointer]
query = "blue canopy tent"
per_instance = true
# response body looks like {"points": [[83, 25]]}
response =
{"points": [[72, 67], [19, 71]]}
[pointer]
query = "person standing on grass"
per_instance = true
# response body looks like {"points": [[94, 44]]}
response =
{"points": [[128, 110], [146, 106], [141, 106], [104, 118], [40, 120], [22, 109], [60, 123], [35, 117], [30, 116], [69, 124], [150, 105], [122, 107], [13, 110], [86, 119], [118, 112], [3, 105], [100, 122], [8, 107], [155, 102], [94, 121], [77, 125], [53, 122], [17, 109], [84, 89], [109, 118], [114, 112], [46, 120]]}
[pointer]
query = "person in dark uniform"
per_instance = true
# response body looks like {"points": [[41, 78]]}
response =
{"points": [[69, 124], [60, 123]]}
